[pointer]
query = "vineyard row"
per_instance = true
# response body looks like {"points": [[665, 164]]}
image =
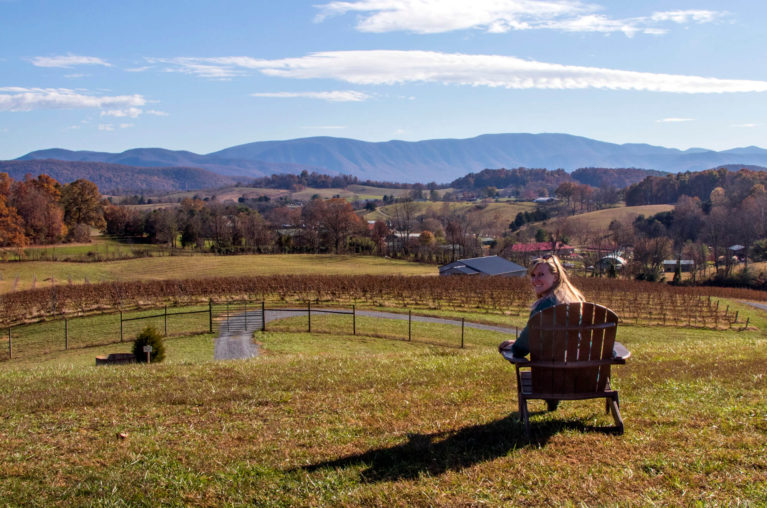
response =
{"points": [[635, 302]]}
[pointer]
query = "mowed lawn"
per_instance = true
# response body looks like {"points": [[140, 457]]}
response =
{"points": [[25, 275], [361, 421]]}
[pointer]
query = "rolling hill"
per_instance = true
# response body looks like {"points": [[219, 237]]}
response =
{"points": [[119, 178]]}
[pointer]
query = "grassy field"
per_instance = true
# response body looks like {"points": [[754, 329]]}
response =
{"points": [[328, 419], [100, 248], [352, 193], [502, 212], [20, 276], [601, 219]]}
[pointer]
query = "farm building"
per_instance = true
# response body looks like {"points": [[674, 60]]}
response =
{"points": [[610, 260], [488, 265], [685, 265]]}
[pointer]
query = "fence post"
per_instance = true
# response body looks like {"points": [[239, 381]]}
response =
{"points": [[354, 319], [121, 326], [246, 315], [210, 315], [10, 344], [227, 315], [263, 316], [736, 315], [409, 323], [66, 334], [166, 320], [309, 315], [462, 323]]}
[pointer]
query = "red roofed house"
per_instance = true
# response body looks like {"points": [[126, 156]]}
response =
{"points": [[541, 248]]}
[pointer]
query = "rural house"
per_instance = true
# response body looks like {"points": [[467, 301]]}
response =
{"points": [[488, 265]]}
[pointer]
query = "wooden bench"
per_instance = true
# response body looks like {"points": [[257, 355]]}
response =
{"points": [[115, 358], [572, 347]]}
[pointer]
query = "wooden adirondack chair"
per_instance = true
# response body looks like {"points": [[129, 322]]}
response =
{"points": [[571, 351]]}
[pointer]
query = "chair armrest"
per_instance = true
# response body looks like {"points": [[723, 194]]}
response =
{"points": [[508, 355], [621, 353]]}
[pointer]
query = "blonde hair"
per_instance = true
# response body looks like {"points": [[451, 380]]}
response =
{"points": [[562, 289]]}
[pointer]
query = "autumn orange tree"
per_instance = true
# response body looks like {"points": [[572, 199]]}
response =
{"points": [[43, 211], [36, 201]]}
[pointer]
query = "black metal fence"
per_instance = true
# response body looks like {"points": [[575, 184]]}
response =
{"points": [[228, 317]]}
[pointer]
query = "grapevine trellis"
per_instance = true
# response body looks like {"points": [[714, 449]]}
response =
{"points": [[635, 302]]}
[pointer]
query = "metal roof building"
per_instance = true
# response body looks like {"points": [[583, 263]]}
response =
{"points": [[488, 265]]}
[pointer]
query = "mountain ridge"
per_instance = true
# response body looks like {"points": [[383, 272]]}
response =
{"points": [[440, 160]]}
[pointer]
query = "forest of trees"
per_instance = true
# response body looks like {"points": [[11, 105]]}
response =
{"points": [[43, 211], [669, 188], [316, 180], [531, 183]]}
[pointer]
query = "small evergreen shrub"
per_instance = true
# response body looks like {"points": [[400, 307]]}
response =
{"points": [[149, 336]]}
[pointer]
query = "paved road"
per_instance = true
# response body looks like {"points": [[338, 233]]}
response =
{"points": [[755, 304], [235, 340]]}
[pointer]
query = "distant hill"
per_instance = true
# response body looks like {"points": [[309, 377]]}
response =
{"points": [[440, 160], [119, 178], [160, 157], [519, 178], [619, 178]]}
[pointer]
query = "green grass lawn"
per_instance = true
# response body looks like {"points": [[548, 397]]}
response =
{"points": [[334, 419], [21, 276]]}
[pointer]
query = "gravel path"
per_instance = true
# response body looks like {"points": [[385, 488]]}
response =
{"points": [[235, 340]]}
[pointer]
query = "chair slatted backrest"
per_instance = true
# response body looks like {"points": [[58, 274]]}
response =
{"points": [[570, 348]]}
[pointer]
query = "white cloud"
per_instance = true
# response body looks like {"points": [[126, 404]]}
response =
{"points": [[108, 127], [206, 68], [390, 67], [126, 125], [68, 61], [139, 69], [155, 112], [689, 16], [130, 112], [674, 120], [28, 99], [498, 16], [746, 125], [333, 96]]}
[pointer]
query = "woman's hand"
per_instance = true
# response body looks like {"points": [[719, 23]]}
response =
{"points": [[505, 346]]}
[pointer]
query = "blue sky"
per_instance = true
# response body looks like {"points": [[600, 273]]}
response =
{"points": [[203, 75]]}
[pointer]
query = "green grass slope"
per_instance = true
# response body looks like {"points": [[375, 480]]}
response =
{"points": [[343, 420]]}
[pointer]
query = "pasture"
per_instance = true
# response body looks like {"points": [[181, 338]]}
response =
{"points": [[494, 214], [334, 419], [601, 219], [38, 274]]}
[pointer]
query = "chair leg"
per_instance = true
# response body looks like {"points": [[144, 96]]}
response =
{"points": [[614, 407], [525, 415]]}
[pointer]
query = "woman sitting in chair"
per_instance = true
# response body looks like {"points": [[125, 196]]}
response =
{"points": [[552, 287]]}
